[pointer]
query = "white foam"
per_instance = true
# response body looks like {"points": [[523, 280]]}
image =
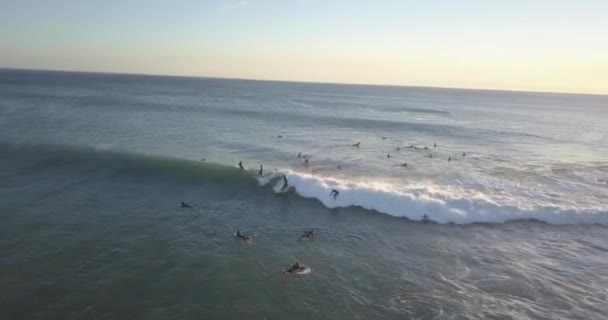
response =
{"points": [[414, 202]]}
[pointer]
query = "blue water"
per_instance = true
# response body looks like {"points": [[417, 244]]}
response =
{"points": [[93, 167]]}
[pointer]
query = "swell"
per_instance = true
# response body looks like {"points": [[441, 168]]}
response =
{"points": [[376, 196]]}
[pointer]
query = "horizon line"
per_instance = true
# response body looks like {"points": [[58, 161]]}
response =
{"points": [[301, 81]]}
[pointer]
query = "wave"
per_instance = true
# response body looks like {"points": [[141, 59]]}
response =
{"points": [[411, 202], [415, 203]]}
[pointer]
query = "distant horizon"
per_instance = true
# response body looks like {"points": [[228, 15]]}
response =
{"points": [[118, 73], [519, 45]]}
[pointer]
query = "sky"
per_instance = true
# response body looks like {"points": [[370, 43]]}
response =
{"points": [[532, 45]]}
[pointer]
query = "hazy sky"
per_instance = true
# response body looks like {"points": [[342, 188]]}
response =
{"points": [[549, 45]]}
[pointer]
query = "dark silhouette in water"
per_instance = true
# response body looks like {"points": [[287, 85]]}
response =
{"points": [[239, 235], [284, 182], [261, 172], [280, 136], [464, 154], [241, 165], [425, 218], [398, 149], [435, 145], [202, 159], [388, 155], [296, 267], [334, 193], [357, 144], [449, 159], [185, 205], [404, 164], [306, 161], [308, 235], [299, 155]]}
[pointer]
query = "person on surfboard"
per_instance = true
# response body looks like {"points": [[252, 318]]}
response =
{"points": [[296, 267], [241, 165], [261, 172], [308, 234], [239, 235], [335, 193]]}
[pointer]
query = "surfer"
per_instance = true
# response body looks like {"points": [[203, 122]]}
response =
{"points": [[404, 164], [239, 235], [357, 144], [388, 155], [308, 234], [284, 183], [426, 148], [185, 205], [241, 165], [306, 161], [299, 155], [280, 136], [449, 159], [431, 156], [398, 149], [425, 218], [296, 267], [261, 172], [410, 146], [335, 193], [435, 145], [464, 154]]}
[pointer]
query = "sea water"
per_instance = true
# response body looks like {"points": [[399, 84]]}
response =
{"points": [[456, 204]]}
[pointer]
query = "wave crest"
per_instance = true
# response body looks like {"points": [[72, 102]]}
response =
{"points": [[415, 203]]}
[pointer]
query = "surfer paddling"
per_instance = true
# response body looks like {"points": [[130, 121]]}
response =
{"points": [[308, 234], [295, 268], [185, 205], [357, 144], [239, 235]]}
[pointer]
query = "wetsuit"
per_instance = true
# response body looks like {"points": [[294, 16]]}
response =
{"points": [[241, 236], [334, 193], [296, 267]]}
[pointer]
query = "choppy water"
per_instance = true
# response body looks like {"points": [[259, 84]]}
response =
{"points": [[93, 167]]}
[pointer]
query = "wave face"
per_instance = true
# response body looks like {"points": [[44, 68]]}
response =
{"points": [[442, 205], [527, 155], [414, 203]]}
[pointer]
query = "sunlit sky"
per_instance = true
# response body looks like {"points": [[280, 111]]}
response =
{"points": [[538, 45]]}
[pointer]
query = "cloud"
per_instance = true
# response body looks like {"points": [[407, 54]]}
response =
{"points": [[230, 6]]}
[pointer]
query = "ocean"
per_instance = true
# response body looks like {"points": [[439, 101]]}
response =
{"points": [[452, 204]]}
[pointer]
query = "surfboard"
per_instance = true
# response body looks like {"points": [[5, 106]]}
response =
{"points": [[306, 270], [281, 191]]}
